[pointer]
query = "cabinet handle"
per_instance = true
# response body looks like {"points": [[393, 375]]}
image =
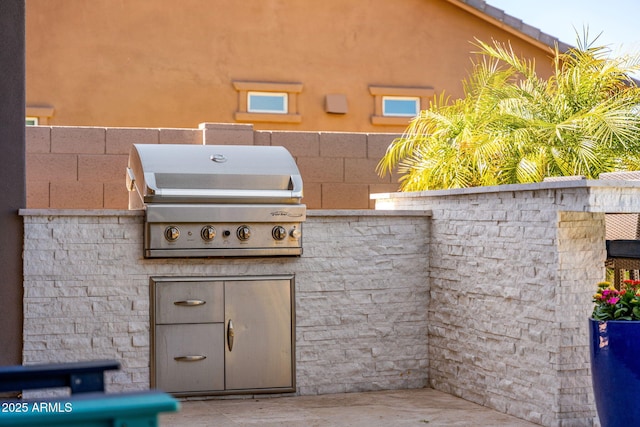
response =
{"points": [[190, 302], [230, 335], [189, 358]]}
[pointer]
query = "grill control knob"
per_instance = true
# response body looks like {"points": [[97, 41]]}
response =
{"points": [[295, 233], [208, 233], [278, 232], [243, 232], [171, 233]]}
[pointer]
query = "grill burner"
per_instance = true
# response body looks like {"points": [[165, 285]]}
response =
{"points": [[213, 201]]}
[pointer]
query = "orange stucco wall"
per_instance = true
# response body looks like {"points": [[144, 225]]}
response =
{"points": [[162, 63], [84, 167]]}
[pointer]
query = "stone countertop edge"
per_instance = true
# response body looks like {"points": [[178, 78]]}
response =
{"points": [[548, 185], [367, 212], [80, 212], [140, 212]]}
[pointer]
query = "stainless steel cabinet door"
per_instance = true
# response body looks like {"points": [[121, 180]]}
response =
{"points": [[189, 357], [258, 334], [189, 302]]}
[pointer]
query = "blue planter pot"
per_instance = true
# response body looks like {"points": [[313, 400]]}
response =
{"points": [[615, 371]]}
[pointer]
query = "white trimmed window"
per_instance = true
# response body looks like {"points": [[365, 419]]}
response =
{"points": [[398, 105], [38, 116], [267, 102]]}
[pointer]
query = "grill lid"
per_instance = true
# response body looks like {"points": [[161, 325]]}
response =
{"points": [[164, 173]]}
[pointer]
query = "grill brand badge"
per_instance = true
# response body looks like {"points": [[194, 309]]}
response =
{"points": [[285, 213], [218, 158]]}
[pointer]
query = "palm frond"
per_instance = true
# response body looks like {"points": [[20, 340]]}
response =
{"points": [[513, 126]]}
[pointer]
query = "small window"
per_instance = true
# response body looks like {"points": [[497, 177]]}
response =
{"points": [[267, 102], [38, 116], [396, 106], [400, 106]]}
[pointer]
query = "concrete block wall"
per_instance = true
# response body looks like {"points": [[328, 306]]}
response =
{"points": [[361, 295], [512, 272], [83, 167]]}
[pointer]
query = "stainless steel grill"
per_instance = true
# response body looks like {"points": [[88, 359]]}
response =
{"points": [[213, 201]]}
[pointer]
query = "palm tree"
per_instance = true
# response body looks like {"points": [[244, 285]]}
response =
{"points": [[512, 126]]}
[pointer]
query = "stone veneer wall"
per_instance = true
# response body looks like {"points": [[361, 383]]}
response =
{"points": [[512, 272], [361, 295], [486, 298]]}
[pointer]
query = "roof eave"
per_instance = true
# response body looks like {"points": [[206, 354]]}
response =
{"points": [[510, 24]]}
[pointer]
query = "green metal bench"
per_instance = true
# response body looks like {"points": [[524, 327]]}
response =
{"points": [[139, 409], [80, 377], [87, 405]]}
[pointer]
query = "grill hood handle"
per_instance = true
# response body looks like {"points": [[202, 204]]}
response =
{"points": [[131, 180], [295, 185]]}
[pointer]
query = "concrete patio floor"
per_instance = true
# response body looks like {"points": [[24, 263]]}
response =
{"points": [[419, 407]]}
